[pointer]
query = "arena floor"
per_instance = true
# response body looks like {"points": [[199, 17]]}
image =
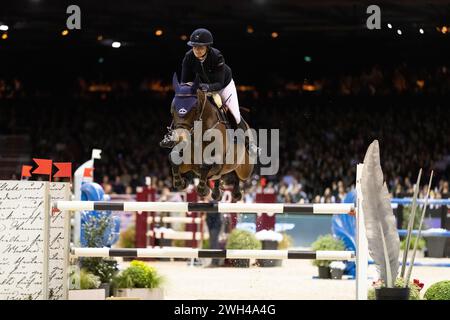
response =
{"points": [[294, 280]]}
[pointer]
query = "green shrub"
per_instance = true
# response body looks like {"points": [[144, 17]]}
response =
{"points": [[414, 290], [438, 291], [286, 242], [407, 212], [205, 244], [420, 245], [138, 275], [242, 239], [128, 237], [85, 279], [326, 243], [105, 269], [178, 243]]}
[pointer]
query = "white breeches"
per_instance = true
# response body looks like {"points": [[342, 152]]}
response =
{"points": [[230, 98]]}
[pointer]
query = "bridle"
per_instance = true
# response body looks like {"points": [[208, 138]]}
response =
{"points": [[182, 125]]}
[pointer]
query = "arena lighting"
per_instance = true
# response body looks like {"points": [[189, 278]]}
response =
{"points": [[274, 35], [158, 33], [65, 33], [250, 29], [389, 26], [421, 31], [399, 32], [4, 36], [116, 44], [444, 29], [4, 27]]}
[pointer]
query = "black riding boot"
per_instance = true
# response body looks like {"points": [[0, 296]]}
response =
{"points": [[251, 147]]}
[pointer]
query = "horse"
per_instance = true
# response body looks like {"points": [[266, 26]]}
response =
{"points": [[188, 106]]}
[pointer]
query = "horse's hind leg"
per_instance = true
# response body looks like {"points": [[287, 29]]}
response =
{"points": [[216, 192]]}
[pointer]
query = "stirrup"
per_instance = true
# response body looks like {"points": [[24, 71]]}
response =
{"points": [[168, 140]]}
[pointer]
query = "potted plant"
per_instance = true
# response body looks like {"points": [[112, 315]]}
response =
{"points": [[438, 291], [104, 269], [98, 233], [269, 241], [435, 242], [84, 285], [326, 243], [337, 269], [399, 292], [240, 240], [139, 280], [381, 229]]}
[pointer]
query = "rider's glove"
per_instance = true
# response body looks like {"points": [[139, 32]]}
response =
{"points": [[204, 87]]}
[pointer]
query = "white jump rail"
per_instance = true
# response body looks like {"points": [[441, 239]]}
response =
{"points": [[178, 235], [269, 208], [212, 253]]}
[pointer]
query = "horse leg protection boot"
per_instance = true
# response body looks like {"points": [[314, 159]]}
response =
{"points": [[251, 147]]}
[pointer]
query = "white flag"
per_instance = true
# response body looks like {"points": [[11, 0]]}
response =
{"points": [[96, 153]]}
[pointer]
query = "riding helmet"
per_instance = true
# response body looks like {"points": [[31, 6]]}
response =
{"points": [[200, 37]]}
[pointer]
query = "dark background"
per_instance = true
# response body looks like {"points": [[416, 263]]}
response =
{"points": [[332, 33]]}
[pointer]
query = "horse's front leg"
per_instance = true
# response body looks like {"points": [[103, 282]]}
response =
{"points": [[203, 188], [217, 192], [178, 181], [236, 193]]}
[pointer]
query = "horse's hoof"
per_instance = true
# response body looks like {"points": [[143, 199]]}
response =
{"points": [[179, 184], [202, 189], [216, 195], [236, 196]]}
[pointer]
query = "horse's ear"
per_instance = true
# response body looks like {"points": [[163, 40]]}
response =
{"points": [[175, 83], [196, 83]]}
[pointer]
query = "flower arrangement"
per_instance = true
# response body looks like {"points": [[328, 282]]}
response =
{"points": [[138, 275], [337, 265], [414, 288]]}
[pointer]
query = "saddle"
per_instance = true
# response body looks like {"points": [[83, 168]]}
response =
{"points": [[224, 113]]}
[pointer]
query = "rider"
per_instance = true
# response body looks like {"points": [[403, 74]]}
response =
{"points": [[209, 64]]}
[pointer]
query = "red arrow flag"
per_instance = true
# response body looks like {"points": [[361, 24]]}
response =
{"points": [[64, 170], [88, 173], [44, 166], [26, 171]]}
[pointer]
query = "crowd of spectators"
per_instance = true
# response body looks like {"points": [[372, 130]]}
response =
{"points": [[374, 80], [322, 136]]}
